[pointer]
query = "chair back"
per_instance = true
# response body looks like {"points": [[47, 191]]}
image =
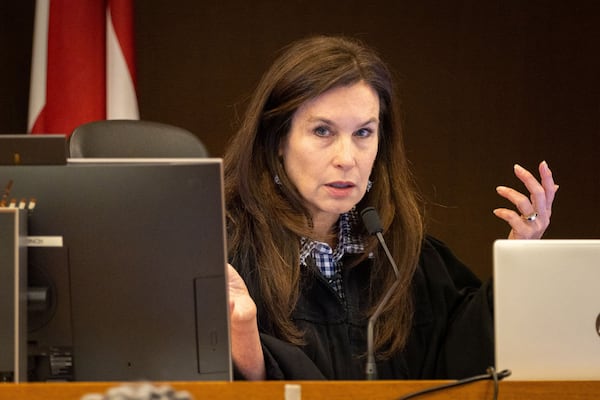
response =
{"points": [[134, 139]]}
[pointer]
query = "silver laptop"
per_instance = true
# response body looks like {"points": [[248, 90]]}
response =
{"points": [[547, 308]]}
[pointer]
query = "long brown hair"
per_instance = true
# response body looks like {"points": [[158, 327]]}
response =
{"points": [[266, 220]]}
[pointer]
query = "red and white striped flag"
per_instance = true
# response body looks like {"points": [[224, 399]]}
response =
{"points": [[83, 64]]}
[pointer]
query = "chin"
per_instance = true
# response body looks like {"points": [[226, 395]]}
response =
{"points": [[342, 208]]}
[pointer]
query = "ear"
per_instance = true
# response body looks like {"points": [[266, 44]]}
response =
{"points": [[280, 149]]}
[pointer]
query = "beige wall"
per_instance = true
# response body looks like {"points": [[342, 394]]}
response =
{"points": [[484, 85]]}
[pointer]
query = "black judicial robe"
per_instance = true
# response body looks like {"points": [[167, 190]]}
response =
{"points": [[451, 337]]}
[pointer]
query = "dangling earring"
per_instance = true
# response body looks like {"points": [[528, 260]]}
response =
{"points": [[277, 180], [369, 185]]}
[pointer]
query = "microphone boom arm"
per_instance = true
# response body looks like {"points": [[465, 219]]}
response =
{"points": [[371, 368], [388, 254]]}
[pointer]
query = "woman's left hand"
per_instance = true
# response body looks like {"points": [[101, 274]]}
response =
{"points": [[534, 210]]}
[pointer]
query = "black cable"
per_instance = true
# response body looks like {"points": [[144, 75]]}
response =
{"points": [[491, 374]]}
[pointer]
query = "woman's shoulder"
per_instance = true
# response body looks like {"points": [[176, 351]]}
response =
{"points": [[437, 259], [435, 249]]}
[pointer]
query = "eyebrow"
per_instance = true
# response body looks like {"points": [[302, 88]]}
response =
{"points": [[330, 122]]}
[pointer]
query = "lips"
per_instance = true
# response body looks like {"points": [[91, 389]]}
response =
{"points": [[340, 189], [341, 185]]}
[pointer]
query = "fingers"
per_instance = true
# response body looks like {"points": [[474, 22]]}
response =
{"points": [[241, 306], [541, 195], [539, 201], [521, 228], [550, 187], [522, 202], [514, 220], [236, 284], [246, 349]]}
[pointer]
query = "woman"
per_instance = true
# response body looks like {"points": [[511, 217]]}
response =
{"points": [[320, 141]]}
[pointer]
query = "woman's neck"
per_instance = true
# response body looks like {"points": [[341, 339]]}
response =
{"points": [[325, 230]]}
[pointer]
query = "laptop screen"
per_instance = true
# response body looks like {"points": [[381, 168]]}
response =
{"points": [[547, 308]]}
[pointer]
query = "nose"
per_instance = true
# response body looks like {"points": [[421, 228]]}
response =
{"points": [[345, 152]]}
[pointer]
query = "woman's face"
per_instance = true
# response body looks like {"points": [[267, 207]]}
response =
{"points": [[330, 149]]}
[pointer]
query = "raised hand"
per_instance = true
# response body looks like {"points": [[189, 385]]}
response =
{"points": [[534, 211]]}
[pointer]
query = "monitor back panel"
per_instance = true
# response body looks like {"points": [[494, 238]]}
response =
{"points": [[138, 289]]}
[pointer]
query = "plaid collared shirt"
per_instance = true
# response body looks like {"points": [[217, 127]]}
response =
{"points": [[328, 260]]}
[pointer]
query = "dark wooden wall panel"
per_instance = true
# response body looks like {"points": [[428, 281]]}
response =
{"points": [[484, 85]]}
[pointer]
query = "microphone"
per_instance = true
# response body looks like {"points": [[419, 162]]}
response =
{"points": [[373, 224]]}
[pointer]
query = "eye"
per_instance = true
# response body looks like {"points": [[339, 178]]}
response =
{"points": [[322, 131], [364, 132]]}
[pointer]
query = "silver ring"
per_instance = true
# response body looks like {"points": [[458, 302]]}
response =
{"points": [[531, 217]]}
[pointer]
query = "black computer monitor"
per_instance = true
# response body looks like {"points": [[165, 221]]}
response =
{"points": [[137, 291], [25, 149]]}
